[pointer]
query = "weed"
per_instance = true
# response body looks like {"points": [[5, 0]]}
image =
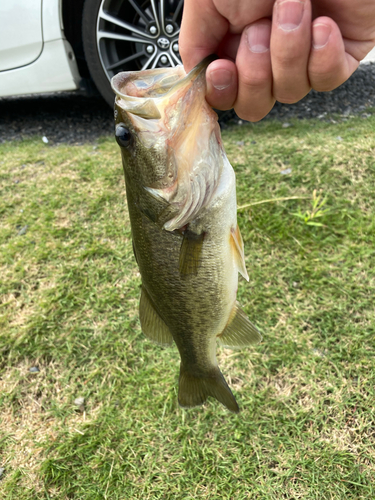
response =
{"points": [[309, 216]]}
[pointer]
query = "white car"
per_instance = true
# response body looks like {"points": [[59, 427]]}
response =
{"points": [[58, 45]]}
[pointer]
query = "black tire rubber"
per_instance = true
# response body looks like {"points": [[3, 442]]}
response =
{"points": [[89, 21]]}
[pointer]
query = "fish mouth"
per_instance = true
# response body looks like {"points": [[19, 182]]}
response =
{"points": [[144, 93], [170, 116]]}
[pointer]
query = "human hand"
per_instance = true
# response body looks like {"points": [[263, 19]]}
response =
{"points": [[308, 44]]}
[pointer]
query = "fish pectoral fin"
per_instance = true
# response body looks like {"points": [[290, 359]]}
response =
{"points": [[168, 213], [194, 391], [152, 204], [238, 251], [151, 323], [190, 252], [239, 332], [156, 208]]}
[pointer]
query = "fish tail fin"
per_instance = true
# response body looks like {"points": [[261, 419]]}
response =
{"points": [[194, 391]]}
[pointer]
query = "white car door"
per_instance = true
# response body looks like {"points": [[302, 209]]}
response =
{"points": [[21, 37]]}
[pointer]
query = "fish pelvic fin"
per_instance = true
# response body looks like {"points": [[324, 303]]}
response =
{"points": [[151, 323], [194, 390], [238, 251], [239, 332]]}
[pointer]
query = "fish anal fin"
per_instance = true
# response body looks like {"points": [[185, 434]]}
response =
{"points": [[151, 323], [238, 251], [239, 332], [194, 391], [190, 252]]}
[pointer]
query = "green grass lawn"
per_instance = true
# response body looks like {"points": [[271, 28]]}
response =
{"points": [[69, 290]]}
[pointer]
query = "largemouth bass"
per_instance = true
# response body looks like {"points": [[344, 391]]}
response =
{"points": [[181, 196]]}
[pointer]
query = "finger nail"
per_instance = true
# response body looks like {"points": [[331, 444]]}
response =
{"points": [[220, 79], [289, 14], [320, 35], [258, 37]]}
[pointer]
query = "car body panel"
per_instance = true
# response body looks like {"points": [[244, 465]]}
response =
{"points": [[54, 68], [21, 38], [53, 71], [53, 28]]}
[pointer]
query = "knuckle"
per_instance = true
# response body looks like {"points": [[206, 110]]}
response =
{"points": [[255, 81], [290, 58]]}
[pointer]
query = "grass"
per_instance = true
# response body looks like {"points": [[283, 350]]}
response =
{"points": [[69, 292]]}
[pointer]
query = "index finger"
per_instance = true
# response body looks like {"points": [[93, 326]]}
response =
{"points": [[202, 30]]}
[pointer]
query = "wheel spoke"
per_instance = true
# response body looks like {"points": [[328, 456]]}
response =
{"points": [[117, 36], [156, 17], [122, 24], [126, 60], [162, 17], [171, 61], [155, 63], [149, 61], [114, 33], [140, 12], [177, 11], [176, 58]]}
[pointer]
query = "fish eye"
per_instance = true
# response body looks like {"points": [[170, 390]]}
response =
{"points": [[123, 136]]}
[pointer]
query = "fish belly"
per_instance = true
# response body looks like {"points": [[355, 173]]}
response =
{"points": [[195, 307]]}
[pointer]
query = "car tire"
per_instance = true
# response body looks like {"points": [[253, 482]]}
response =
{"points": [[124, 35]]}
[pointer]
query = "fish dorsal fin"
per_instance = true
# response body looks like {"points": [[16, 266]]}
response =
{"points": [[190, 252], [239, 332], [151, 323], [238, 251]]}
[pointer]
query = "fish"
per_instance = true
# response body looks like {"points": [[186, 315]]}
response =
{"points": [[181, 196]]}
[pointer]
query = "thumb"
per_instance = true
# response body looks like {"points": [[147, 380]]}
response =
{"points": [[202, 30]]}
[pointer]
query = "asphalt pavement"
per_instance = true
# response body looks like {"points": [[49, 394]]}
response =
{"points": [[76, 118]]}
